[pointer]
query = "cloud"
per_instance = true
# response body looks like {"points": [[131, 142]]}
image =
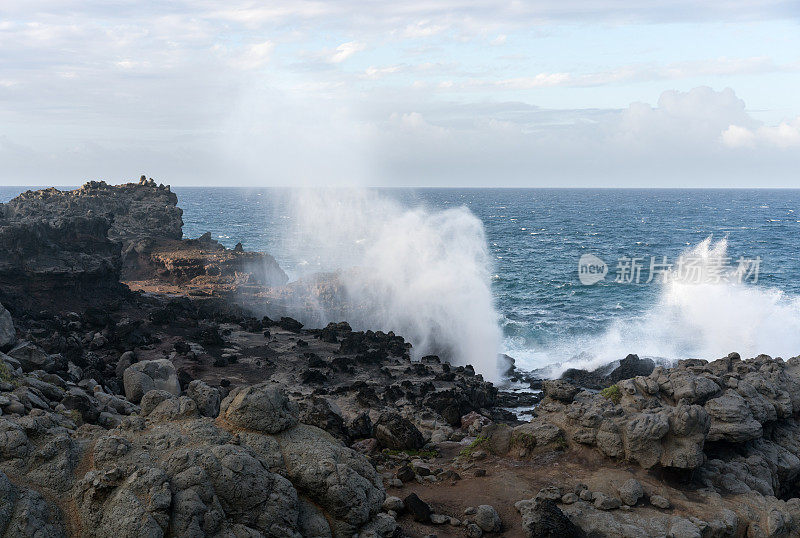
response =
{"points": [[259, 92], [784, 135], [345, 50], [255, 55]]}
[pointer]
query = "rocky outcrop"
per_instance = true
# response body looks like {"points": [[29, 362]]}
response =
{"points": [[58, 257], [170, 472], [78, 244], [733, 421], [135, 210], [202, 263]]}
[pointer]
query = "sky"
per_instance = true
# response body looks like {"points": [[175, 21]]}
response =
{"points": [[579, 93]]}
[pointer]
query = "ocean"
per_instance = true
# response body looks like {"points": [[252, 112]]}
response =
{"points": [[696, 305]]}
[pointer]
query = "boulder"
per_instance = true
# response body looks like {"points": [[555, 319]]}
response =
{"points": [[560, 390], [398, 433], [543, 519], [207, 398], [418, 508], [731, 419], [263, 408], [142, 377], [631, 491], [32, 357], [488, 519]]}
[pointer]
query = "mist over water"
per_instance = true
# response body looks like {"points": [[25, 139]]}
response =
{"points": [[422, 273]]}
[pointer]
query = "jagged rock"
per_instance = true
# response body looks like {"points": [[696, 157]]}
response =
{"points": [[731, 419], [264, 408], [32, 357], [43, 260], [418, 508], [324, 414], [398, 433], [145, 376], [543, 519], [560, 390], [207, 398]]}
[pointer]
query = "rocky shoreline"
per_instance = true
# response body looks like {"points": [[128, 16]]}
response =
{"points": [[143, 394]]}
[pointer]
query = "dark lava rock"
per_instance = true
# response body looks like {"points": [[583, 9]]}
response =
{"points": [[405, 473], [546, 520], [418, 508], [630, 366], [290, 324], [398, 433], [607, 375]]}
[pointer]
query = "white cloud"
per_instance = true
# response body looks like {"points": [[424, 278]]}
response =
{"points": [[346, 50], [255, 55], [422, 29], [783, 136]]}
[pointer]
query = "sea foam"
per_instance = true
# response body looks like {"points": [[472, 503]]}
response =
{"points": [[692, 318]]}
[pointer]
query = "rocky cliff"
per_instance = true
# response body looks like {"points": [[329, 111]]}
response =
{"points": [[77, 245], [135, 210]]}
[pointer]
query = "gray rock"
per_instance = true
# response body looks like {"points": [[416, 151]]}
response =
{"points": [[488, 519], [659, 502], [263, 408], [543, 519], [683, 528], [393, 503], [630, 492], [145, 376], [560, 390], [473, 531], [439, 519], [569, 498], [154, 398], [31, 357], [339, 480], [731, 419], [606, 502], [8, 334], [207, 398]]}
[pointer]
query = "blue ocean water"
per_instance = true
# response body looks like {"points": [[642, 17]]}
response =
{"points": [[535, 238]]}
